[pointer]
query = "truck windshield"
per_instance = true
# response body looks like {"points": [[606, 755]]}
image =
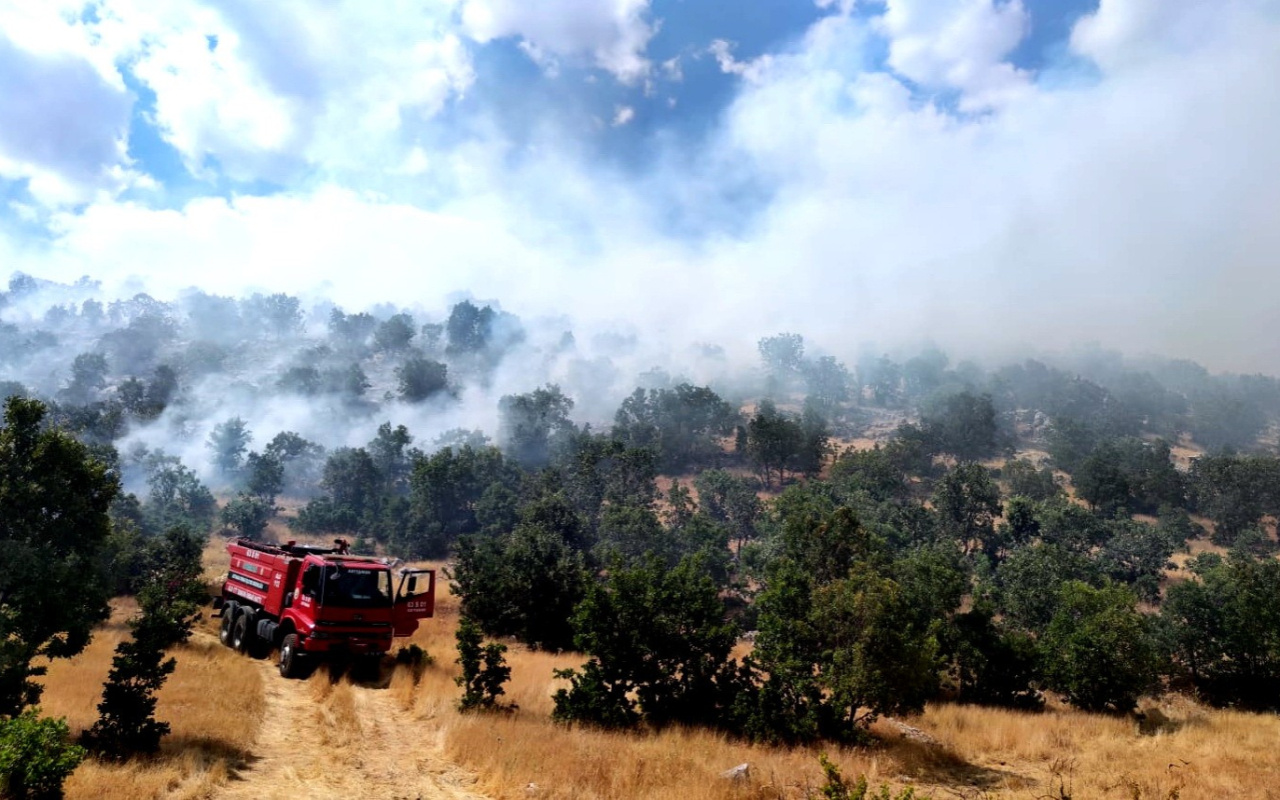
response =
{"points": [[356, 588]]}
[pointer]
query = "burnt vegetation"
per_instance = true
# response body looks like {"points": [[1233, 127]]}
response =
{"points": [[995, 534]]}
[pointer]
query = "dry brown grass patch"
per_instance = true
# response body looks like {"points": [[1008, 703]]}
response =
{"points": [[212, 702]]}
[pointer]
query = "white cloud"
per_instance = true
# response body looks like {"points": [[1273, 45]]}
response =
{"points": [[671, 69], [958, 44], [272, 91], [65, 111], [1132, 211], [1137, 210], [1127, 33], [622, 115], [614, 34], [722, 51]]}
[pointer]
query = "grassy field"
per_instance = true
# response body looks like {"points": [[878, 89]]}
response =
{"points": [[241, 731], [213, 701], [949, 751]]}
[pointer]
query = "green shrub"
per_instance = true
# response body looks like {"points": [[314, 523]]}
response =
{"points": [[36, 756], [484, 669], [836, 789], [1098, 649], [416, 659]]}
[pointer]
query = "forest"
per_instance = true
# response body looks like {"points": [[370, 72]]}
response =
{"points": [[886, 529]]}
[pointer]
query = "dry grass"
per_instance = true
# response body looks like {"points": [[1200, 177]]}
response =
{"points": [[405, 735], [212, 701], [958, 751]]}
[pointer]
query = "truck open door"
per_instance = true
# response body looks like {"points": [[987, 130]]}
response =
{"points": [[415, 599]]}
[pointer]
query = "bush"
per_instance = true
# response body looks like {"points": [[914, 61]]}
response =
{"points": [[170, 603], [1224, 630], [1098, 649], [836, 789], [484, 669], [524, 583], [993, 665], [659, 647], [126, 724], [36, 756], [248, 515]]}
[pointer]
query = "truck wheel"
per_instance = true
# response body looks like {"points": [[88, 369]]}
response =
{"points": [[229, 613], [241, 635], [290, 657]]}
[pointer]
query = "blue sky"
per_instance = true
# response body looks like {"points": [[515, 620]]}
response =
{"points": [[520, 93], [898, 168]]}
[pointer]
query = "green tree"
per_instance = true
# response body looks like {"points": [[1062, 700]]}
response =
{"points": [[993, 664], [1099, 650], [350, 332], [872, 664], [1221, 418], [177, 497], [627, 532], [530, 424], [1028, 581], [302, 461], [872, 473], [1070, 442], [395, 333], [924, 374], [783, 357], [447, 497], [419, 378], [392, 457], [468, 329], [968, 502], [170, 603], [56, 498], [1027, 481], [774, 441], [484, 669], [350, 382], [884, 378], [88, 378], [839, 640], [280, 314], [36, 757], [659, 647], [352, 482], [732, 501], [304, 380], [524, 583], [964, 425], [1224, 630], [1235, 491], [248, 515], [229, 440], [1129, 474], [1137, 555], [830, 385], [265, 476], [683, 424]]}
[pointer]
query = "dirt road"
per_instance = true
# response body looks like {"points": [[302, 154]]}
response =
{"points": [[321, 739]]}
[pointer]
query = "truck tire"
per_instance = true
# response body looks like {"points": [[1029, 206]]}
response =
{"points": [[241, 633], [229, 614], [291, 665]]}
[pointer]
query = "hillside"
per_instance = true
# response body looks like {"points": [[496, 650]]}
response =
{"points": [[242, 731]]}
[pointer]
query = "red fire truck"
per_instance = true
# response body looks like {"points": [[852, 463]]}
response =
{"points": [[311, 602]]}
